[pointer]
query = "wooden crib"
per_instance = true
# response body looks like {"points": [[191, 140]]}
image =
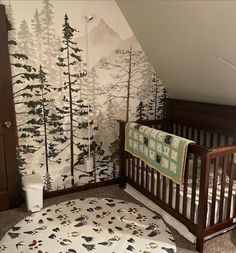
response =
{"points": [[206, 203]]}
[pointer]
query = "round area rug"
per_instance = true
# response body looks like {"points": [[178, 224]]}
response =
{"points": [[90, 225]]}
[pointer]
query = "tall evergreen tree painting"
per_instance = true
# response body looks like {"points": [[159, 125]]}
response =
{"points": [[49, 45], [23, 78], [92, 90], [155, 106], [51, 126], [141, 111], [74, 107], [37, 27], [25, 42]]}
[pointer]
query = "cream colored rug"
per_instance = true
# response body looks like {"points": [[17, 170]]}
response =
{"points": [[90, 225]]}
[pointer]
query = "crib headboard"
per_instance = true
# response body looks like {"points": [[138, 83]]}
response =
{"points": [[211, 117]]}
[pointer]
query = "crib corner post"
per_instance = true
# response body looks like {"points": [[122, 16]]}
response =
{"points": [[122, 182], [200, 244], [203, 197]]}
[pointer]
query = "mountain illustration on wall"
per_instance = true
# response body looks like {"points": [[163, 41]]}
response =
{"points": [[102, 40], [53, 93]]}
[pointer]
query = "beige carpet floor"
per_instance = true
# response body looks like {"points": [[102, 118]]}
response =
{"points": [[225, 243]]}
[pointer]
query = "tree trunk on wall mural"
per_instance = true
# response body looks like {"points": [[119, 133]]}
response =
{"points": [[129, 83], [75, 106], [45, 88]]}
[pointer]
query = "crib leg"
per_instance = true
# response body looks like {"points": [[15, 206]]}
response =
{"points": [[200, 244], [122, 183]]}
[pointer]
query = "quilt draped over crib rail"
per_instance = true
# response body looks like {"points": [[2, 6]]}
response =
{"points": [[160, 150]]}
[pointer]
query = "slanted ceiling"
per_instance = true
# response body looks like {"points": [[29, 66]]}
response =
{"points": [[184, 41]]}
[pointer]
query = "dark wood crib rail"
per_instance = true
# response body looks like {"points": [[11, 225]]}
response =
{"points": [[191, 211]]}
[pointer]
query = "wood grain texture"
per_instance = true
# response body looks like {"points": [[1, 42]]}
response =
{"points": [[7, 113]]}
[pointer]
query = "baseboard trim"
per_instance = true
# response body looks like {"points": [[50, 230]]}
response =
{"points": [[80, 188], [166, 216]]}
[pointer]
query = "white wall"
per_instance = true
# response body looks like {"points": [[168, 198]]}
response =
{"points": [[183, 40]]}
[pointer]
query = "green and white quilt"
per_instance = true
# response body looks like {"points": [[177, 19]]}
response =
{"points": [[160, 150]]}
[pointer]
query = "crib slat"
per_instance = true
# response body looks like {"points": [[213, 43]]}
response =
{"points": [[192, 133], [164, 188], [133, 169], [227, 140], [218, 139], [142, 173], [137, 170], [177, 198], [222, 193], [158, 185], [211, 140], [185, 199], [129, 161], [194, 185], [152, 181], [181, 130], [231, 179], [147, 178], [170, 192], [213, 202], [187, 132], [205, 138], [198, 136]]}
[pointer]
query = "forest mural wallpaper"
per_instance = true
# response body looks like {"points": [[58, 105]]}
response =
{"points": [[72, 80]]}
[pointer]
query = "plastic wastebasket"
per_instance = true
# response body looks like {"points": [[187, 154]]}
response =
{"points": [[33, 187]]}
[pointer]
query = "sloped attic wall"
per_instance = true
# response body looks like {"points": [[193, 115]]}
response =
{"points": [[51, 101], [184, 40]]}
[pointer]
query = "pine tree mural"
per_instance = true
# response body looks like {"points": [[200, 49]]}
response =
{"points": [[45, 125], [162, 104], [38, 34], [126, 70], [45, 88], [101, 161], [25, 42], [155, 106], [141, 111], [10, 16], [74, 108], [23, 77], [49, 39], [52, 101], [59, 72], [91, 90], [114, 151]]}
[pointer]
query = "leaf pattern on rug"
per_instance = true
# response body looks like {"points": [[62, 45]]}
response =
{"points": [[90, 225]]}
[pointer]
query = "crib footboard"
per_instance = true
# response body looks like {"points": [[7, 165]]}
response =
{"points": [[200, 203]]}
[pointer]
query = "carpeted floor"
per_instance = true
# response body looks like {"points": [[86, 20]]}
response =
{"points": [[225, 243]]}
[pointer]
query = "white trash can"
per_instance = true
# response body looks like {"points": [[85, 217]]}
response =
{"points": [[33, 187]]}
